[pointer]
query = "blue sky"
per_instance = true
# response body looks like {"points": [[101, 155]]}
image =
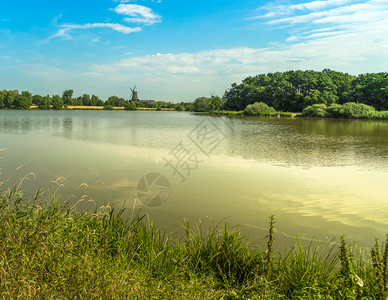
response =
{"points": [[179, 50]]}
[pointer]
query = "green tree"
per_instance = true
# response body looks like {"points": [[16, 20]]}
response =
{"points": [[371, 89], [115, 101], [130, 105], [291, 90], [56, 102], [67, 97], [179, 107], [36, 99], [86, 101], [202, 104], [95, 101], [44, 102], [10, 98], [217, 103], [3, 94], [23, 101], [77, 101]]}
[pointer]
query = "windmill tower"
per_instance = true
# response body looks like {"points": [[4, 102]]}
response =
{"points": [[134, 96]]}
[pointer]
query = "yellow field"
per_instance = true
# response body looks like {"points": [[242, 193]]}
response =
{"points": [[101, 107]]}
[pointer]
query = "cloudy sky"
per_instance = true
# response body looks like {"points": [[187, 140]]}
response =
{"points": [[179, 50]]}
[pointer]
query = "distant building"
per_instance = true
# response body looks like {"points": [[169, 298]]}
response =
{"points": [[144, 101], [135, 97]]}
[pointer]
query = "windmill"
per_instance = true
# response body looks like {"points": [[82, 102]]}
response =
{"points": [[134, 96]]}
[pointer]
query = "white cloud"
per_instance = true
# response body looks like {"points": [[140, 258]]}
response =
{"points": [[340, 35], [192, 74], [66, 28], [113, 26], [138, 13], [274, 10], [331, 18], [63, 32], [127, 1], [315, 5], [185, 76]]}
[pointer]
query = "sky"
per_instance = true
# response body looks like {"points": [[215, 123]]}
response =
{"points": [[180, 50]]}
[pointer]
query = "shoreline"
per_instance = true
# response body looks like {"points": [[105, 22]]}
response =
{"points": [[66, 253]]}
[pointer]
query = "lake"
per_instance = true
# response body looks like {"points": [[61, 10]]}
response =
{"points": [[320, 178]]}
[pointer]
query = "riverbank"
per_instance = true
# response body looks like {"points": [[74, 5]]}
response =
{"points": [[73, 107], [349, 110], [49, 249], [241, 114]]}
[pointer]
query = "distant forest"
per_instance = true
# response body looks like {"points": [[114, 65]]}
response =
{"points": [[291, 91], [295, 90], [24, 100]]}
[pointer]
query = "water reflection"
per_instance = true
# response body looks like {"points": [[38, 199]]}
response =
{"points": [[328, 174], [288, 142], [312, 142]]}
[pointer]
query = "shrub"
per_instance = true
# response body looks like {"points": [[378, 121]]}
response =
{"points": [[355, 110], [382, 115], [285, 115], [316, 111], [258, 108], [179, 107], [335, 111], [129, 105], [109, 107]]}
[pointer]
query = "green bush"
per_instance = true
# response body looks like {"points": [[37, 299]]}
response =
{"points": [[56, 102], [316, 111], [349, 110], [179, 107], [258, 109], [355, 110], [335, 111], [108, 107], [285, 115], [376, 115], [129, 105]]}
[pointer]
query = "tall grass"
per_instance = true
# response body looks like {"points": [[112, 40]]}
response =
{"points": [[49, 249], [375, 115]]}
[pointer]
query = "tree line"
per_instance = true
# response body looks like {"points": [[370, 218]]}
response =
{"points": [[290, 91], [13, 100], [295, 90]]}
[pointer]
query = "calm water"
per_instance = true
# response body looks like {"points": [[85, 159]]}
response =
{"points": [[321, 178]]}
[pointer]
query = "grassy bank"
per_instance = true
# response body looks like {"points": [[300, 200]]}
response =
{"points": [[51, 250], [349, 110], [241, 114], [73, 107]]}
